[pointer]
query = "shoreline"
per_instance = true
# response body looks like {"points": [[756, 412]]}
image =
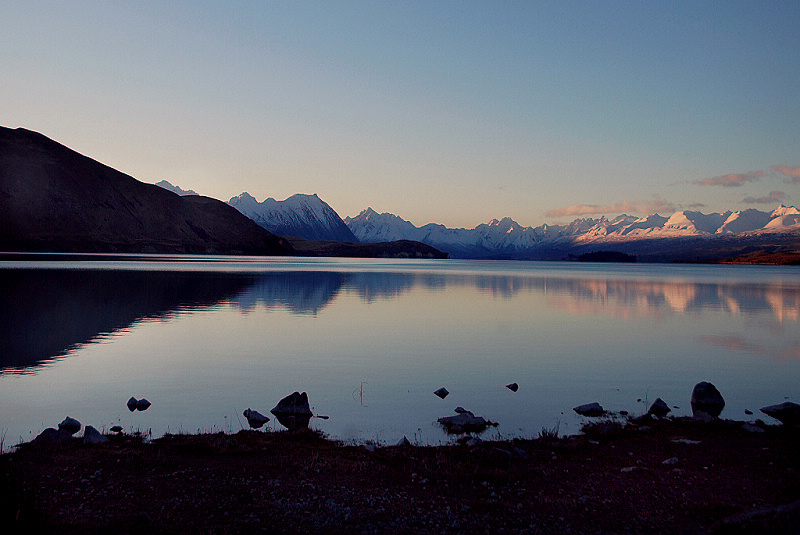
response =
{"points": [[663, 475]]}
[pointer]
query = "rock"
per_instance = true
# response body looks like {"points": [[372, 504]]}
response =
{"points": [[659, 408], [464, 422], [93, 436], [750, 428], [787, 413], [293, 411], [255, 419], [460, 410], [70, 425], [372, 448], [748, 412], [706, 398], [473, 441], [590, 409], [513, 387], [442, 392], [52, 436], [403, 443], [704, 417], [143, 404], [132, 404], [116, 429], [670, 462]]}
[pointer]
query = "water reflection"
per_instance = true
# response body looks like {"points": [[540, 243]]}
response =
{"points": [[47, 312]]}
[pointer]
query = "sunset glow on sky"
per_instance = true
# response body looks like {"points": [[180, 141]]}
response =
{"points": [[447, 112]]}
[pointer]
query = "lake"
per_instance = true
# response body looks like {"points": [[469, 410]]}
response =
{"points": [[204, 338]]}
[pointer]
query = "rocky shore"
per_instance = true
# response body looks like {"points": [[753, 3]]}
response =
{"points": [[648, 474]]}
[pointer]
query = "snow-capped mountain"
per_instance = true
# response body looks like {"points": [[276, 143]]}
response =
{"points": [[175, 189], [302, 216], [506, 238]]}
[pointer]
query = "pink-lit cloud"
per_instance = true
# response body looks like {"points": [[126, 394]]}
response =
{"points": [[640, 207], [772, 198], [793, 173], [733, 180]]}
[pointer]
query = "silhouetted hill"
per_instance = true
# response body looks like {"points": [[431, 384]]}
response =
{"points": [[55, 199]]}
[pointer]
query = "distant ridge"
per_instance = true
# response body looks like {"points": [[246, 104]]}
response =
{"points": [[55, 199]]}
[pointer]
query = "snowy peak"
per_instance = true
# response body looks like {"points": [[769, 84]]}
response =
{"points": [[175, 189], [744, 221], [784, 217], [303, 216]]}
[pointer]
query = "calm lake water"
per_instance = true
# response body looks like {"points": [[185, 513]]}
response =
{"points": [[204, 338]]}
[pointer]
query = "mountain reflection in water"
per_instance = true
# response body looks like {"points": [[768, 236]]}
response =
{"points": [[48, 312]]}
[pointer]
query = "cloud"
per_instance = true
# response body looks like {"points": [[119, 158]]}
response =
{"points": [[792, 172], [698, 205], [733, 180], [642, 207], [772, 198]]}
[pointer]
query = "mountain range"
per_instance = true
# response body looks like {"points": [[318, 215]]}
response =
{"points": [[683, 236], [53, 199], [653, 236]]}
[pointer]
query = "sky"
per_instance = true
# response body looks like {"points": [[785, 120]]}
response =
{"points": [[447, 112]]}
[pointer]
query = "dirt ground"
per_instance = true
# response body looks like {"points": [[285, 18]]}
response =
{"points": [[666, 476]]}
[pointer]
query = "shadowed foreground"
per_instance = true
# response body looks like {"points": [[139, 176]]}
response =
{"points": [[669, 476]]}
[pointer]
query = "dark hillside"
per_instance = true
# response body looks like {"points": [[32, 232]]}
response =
{"points": [[55, 199]]}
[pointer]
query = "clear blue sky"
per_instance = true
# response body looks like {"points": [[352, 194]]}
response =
{"points": [[453, 112]]}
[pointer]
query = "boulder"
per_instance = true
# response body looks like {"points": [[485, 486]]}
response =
{"points": [[143, 404], [116, 429], [787, 413], [590, 409], [464, 422], [93, 436], [659, 408], [52, 436], [293, 411], [442, 392], [403, 442], [255, 419], [513, 387], [132, 404], [70, 425], [706, 398]]}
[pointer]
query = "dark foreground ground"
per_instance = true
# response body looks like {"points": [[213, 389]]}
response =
{"points": [[670, 476]]}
